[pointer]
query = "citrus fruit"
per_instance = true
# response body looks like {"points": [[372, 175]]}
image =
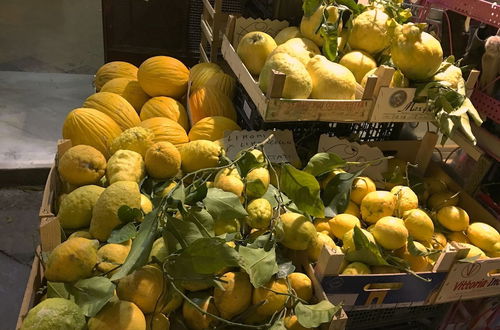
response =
{"points": [[157, 321], [159, 250], [342, 223], [235, 294], [123, 315], [359, 63], [442, 199], [292, 323], [136, 139], [361, 186], [195, 319], [81, 165], [212, 128], [260, 213], [301, 284], [417, 263], [298, 231], [162, 160], [125, 165], [287, 34], [322, 225], [223, 226], [314, 249], [330, 80], [439, 241], [473, 251], [228, 179], [348, 239], [370, 31], [483, 236], [434, 185], [356, 268], [377, 204], [406, 199], [353, 209], [199, 154], [457, 236], [253, 50], [75, 210], [309, 26], [453, 218], [55, 314], [419, 224], [257, 182], [111, 256], [390, 233], [146, 205], [273, 302], [329, 177]]}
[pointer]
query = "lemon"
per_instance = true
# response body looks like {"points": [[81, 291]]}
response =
{"points": [[254, 48], [298, 83], [81, 165], [146, 205], [292, 323], [144, 287], [434, 185], [356, 268], [111, 256], [370, 31], [439, 241], [473, 251], [417, 54], [406, 199], [301, 284], [457, 236], [390, 233], [330, 176], [159, 250], [359, 63], [76, 208], [163, 160], [223, 226], [314, 249], [260, 213], [361, 186], [309, 26], [377, 204], [301, 49], [397, 80], [199, 154], [287, 34], [228, 179], [353, 209], [442, 199], [81, 233], [453, 218], [419, 224], [322, 225], [417, 263], [194, 318], [72, 260], [257, 182], [453, 76], [298, 231], [168, 188], [348, 239], [136, 139], [118, 315], [273, 302], [342, 223], [235, 294], [483, 236], [55, 314], [330, 80], [125, 165]]}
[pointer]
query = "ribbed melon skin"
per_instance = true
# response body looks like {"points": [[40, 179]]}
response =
{"points": [[164, 106], [115, 107], [129, 89], [112, 70], [209, 102], [201, 73], [163, 76], [166, 129], [90, 127], [223, 82]]}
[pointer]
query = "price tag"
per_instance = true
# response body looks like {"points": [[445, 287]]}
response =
{"points": [[280, 149], [355, 152]]}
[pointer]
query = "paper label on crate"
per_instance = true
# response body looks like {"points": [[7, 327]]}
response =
{"points": [[471, 280], [280, 149], [396, 105], [355, 152], [244, 25]]}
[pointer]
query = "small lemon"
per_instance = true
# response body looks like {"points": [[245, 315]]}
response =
{"points": [[377, 204], [162, 160], [356, 268], [353, 209], [273, 302], [146, 205], [330, 176], [439, 241], [260, 213], [419, 224], [453, 218], [442, 199], [118, 314], [257, 182], [314, 249], [417, 263], [235, 294], [390, 233], [359, 63], [111, 256], [157, 321], [361, 186], [228, 179], [342, 223], [348, 239], [194, 318], [292, 323], [302, 285], [322, 226], [483, 236], [473, 251], [298, 231], [199, 154], [406, 199], [457, 236]]}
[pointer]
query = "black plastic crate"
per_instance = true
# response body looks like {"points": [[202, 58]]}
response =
{"points": [[306, 133]]}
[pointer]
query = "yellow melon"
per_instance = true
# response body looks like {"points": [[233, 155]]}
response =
{"points": [[223, 82], [166, 129], [116, 107], [112, 70], [164, 106], [163, 76], [201, 73], [209, 102], [129, 89], [90, 127], [212, 128]]}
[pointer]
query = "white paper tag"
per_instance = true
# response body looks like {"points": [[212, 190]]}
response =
{"points": [[280, 149], [355, 152]]}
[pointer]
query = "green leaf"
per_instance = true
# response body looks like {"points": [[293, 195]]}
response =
{"points": [[177, 196], [180, 233], [271, 195], [128, 214], [224, 205], [196, 192], [57, 290], [202, 220], [303, 189], [92, 294], [312, 316], [141, 246], [259, 264], [123, 234], [337, 193], [365, 250], [247, 163], [257, 187], [202, 259], [310, 6], [329, 32], [285, 269], [352, 5], [412, 248], [323, 162]]}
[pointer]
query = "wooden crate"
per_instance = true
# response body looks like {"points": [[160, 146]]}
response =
{"points": [[213, 22], [271, 106]]}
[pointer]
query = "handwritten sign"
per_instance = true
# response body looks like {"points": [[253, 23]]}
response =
{"points": [[280, 149], [355, 152], [396, 105], [245, 25]]}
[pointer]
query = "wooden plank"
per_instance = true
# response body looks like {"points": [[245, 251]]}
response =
{"points": [[32, 286], [275, 88], [50, 233], [208, 7]]}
